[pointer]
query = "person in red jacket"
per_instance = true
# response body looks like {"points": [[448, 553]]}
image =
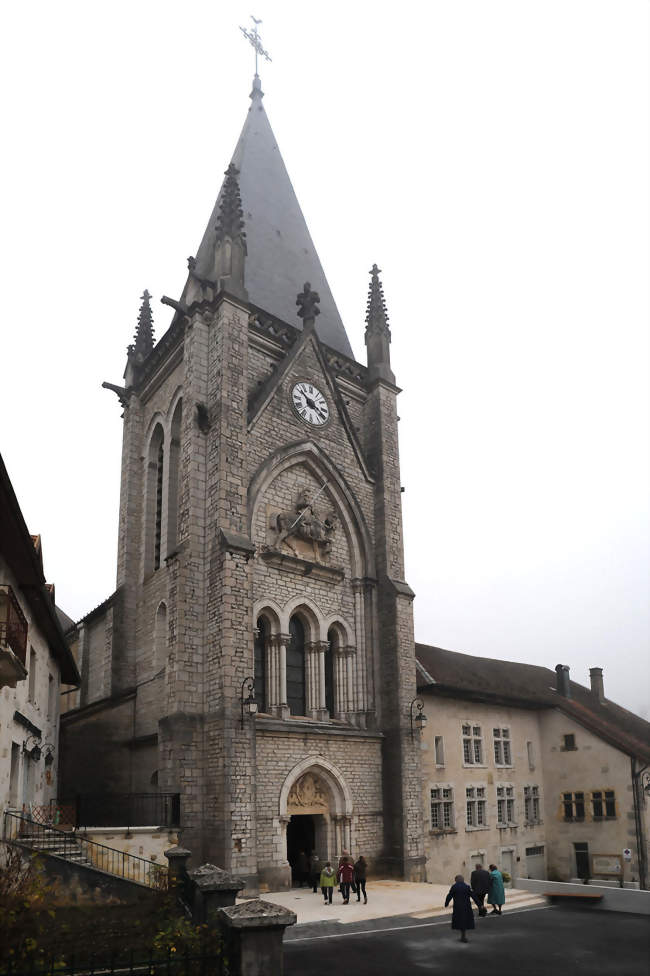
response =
{"points": [[345, 877]]}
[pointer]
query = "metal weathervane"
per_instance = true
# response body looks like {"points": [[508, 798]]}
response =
{"points": [[255, 40]]}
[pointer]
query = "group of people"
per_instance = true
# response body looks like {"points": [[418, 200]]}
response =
{"points": [[482, 883], [350, 876]]}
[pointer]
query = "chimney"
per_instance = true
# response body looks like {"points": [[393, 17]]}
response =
{"points": [[563, 686], [597, 687]]}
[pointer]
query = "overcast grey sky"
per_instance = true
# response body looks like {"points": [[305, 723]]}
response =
{"points": [[491, 157]]}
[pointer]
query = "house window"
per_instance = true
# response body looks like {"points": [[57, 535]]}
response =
{"points": [[505, 804], [31, 688], [442, 808], [502, 747], [604, 804], [472, 745], [531, 804], [569, 743], [439, 748], [574, 806], [475, 803], [531, 755]]}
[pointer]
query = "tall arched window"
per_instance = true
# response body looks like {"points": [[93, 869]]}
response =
{"points": [[154, 500], [173, 478], [261, 639], [160, 638], [296, 668], [329, 671]]}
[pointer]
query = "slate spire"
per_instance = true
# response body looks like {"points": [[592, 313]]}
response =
{"points": [[377, 331], [278, 249]]}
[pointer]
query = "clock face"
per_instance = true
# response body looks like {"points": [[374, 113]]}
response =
{"points": [[310, 404]]}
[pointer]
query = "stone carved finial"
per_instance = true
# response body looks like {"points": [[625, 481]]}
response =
{"points": [[308, 302], [376, 314], [143, 338], [230, 222]]}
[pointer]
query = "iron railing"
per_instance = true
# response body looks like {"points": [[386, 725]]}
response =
{"points": [[13, 625], [77, 848], [134, 962], [128, 810]]}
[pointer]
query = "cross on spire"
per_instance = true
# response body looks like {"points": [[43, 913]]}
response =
{"points": [[253, 37]]}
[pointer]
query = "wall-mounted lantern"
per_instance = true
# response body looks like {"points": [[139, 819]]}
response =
{"points": [[32, 747], [248, 703], [49, 753], [419, 720]]}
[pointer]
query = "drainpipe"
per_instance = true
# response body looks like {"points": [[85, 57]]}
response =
{"points": [[638, 798]]}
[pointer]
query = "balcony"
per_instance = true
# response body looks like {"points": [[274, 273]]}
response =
{"points": [[13, 639]]}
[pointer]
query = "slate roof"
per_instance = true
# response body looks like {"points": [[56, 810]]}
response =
{"points": [[281, 254], [24, 555], [451, 674]]}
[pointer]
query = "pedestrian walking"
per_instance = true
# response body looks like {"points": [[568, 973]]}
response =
{"points": [[345, 877], [327, 876], [314, 870], [480, 885], [360, 869], [497, 893], [462, 916]]}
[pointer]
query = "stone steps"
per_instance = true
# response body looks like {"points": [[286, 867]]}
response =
{"points": [[514, 899]]}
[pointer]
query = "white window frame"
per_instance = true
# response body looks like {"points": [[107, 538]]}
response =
{"points": [[478, 796], [502, 747], [440, 762], [530, 751], [532, 800], [442, 801], [475, 741], [505, 794]]}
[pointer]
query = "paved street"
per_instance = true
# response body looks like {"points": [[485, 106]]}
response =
{"points": [[535, 941]]}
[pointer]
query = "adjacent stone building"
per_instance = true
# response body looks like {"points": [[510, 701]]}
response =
{"points": [[527, 769], [260, 560], [34, 660]]}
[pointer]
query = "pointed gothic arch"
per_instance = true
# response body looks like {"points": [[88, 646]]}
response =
{"points": [[154, 495], [340, 795], [318, 463]]}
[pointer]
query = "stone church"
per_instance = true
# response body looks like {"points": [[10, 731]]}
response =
{"points": [[257, 655]]}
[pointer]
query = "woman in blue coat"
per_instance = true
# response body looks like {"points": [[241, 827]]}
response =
{"points": [[462, 917], [497, 893]]}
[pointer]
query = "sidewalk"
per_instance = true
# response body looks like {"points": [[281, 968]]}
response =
{"points": [[385, 899]]}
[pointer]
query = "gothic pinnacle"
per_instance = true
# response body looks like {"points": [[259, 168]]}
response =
{"points": [[143, 338], [230, 222], [376, 314]]}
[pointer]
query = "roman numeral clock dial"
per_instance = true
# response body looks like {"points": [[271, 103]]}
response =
{"points": [[310, 404]]}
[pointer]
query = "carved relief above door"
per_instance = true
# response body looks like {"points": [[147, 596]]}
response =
{"points": [[308, 795]]}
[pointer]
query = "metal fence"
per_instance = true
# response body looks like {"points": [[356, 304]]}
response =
{"points": [[128, 810], [76, 848], [134, 962]]}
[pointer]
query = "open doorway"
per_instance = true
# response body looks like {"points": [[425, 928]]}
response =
{"points": [[300, 840]]}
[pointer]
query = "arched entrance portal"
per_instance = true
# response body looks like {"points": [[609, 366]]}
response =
{"points": [[316, 807]]}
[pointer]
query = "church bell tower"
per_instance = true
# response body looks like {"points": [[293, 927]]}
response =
{"points": [[257, 656]]}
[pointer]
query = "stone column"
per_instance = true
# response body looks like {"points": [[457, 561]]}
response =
{"points": [[178, 858], [282, 707], [321, 648], [340, 691], [359, 623], [338, 836], [347, 833], [350, 669], [256, 929]]}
